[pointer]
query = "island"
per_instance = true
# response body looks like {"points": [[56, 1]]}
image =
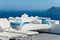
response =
{"points": [[54, 9]]}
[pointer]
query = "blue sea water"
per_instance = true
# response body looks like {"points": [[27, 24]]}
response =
{"points": [[53, 15]]}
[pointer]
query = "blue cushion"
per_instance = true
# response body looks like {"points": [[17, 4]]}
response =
{"points": [[15, 24], [44, 21]]}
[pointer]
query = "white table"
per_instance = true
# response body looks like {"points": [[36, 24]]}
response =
{"points": [[10, 36], [30, 34]]}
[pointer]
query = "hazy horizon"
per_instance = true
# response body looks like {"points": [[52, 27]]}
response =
{"points": [[28, 4]]}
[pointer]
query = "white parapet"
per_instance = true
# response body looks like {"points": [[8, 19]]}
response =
{"points": [[35, 26]]}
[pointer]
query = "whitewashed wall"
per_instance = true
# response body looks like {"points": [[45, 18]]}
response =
{"points": [[55, 28]]}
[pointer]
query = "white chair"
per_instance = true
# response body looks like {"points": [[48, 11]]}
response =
{"points": [[4, 23]]}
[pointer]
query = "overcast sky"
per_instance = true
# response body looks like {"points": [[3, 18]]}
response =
{"points": [[28, 4]]}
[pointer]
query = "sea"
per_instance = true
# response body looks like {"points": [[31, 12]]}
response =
{"points": [[52, 15]]}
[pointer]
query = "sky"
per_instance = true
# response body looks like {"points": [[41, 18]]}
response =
{"points": [[28, 4]]}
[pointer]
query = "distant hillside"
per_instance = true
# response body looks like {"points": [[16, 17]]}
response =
{"points": [[54, 9]]}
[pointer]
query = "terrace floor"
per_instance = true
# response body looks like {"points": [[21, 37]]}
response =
{"points": [[46, 36]]}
